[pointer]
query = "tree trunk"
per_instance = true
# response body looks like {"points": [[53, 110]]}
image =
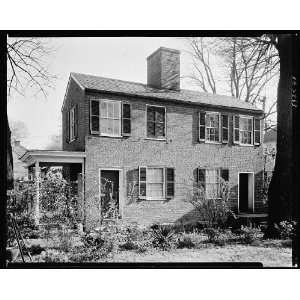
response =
{"points": [[280, 190]]}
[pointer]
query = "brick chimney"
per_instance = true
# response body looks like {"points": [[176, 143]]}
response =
{"points": [[163, 69]]}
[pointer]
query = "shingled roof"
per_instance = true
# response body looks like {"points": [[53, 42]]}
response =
{"points": [[115, 86]]}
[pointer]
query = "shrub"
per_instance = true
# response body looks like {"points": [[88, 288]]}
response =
{"points": [[213, 209], [65, 240], [36, 249], [53, 255], [212, 234], [249, 234], [286, 229], [185, 241], [162, 237]]}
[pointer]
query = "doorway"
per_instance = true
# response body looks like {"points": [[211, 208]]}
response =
{"points": [[246, 192], [110, 194]]}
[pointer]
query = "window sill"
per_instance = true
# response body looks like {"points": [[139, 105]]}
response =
{"points": [[214, 143], [156, 139], [155, 199], [246, 145], [108, 136]]}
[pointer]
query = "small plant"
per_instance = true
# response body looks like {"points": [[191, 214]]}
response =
{"points": [[212, 234], [185, 242], [36, 249], [54, 256], [65, 240], [286, 229], [250, 234], [162, 237]]}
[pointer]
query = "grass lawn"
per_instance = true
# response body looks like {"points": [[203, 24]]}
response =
{"points": [[268, 256]]}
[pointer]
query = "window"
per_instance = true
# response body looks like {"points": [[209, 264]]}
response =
{"points": [[210, 180], [246, 130], [212, 124], [156, 183], [156, 122], [72, 124], [110, 118], [105, 117]]}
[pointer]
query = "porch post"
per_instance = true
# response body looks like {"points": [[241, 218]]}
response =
{"points": [[37, 195]]}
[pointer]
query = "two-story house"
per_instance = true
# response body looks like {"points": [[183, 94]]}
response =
{"points": [[153, 142]]}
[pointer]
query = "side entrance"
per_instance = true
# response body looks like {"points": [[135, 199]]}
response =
{"points": [[111, 189], [246, 192]]}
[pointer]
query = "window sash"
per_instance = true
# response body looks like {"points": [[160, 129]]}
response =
{"points": [[110, 118], [156, 121], [155, 185], [212, 131], [246, 130], [225, 128]]}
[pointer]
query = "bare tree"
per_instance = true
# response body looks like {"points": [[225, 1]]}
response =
{"points": [[27, 66], [248, 65]]}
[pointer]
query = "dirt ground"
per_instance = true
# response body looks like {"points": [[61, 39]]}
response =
{"points": [[269, 257]]}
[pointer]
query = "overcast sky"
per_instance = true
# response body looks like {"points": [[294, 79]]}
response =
{"points": [[121, 58]]}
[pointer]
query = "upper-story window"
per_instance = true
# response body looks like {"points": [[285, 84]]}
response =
{"points": [[212, 124], [110, 117], [246, 130], [156, 122]]}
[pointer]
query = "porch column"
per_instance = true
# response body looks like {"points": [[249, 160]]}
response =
{"points": [[37, 195]]}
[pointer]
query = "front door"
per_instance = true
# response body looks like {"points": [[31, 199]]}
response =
{"points": [[246, 194], [109, 194]]}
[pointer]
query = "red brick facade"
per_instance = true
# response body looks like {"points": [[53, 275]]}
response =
{"points": [[181, 150]]}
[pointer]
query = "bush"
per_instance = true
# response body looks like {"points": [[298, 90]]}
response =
{"points": [[212, 234], [54, 256], [36, 249], [162, 237], [286, 229], [249, 234], [185, 241], [65, 240], [213, 209]]}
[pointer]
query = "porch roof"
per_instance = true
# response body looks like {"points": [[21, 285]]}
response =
{"points": [[30, 157]]}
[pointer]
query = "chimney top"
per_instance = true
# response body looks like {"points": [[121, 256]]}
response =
{"points": [[163, 69]]}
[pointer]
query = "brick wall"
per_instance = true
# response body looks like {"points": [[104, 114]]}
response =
{"points": [[75, 95], [181, 150]]}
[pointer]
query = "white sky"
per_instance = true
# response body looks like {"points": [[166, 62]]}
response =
{"points": [[121, 58]]}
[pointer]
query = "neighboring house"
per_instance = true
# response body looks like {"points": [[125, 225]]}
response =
{"points": [[154, 143], [19, 167]]}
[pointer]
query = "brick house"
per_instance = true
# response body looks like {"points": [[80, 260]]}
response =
{"points": [[152, 142]]}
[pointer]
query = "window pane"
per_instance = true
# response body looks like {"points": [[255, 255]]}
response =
{"points": [[103, 109], [109, 126], [126, 110], [160, 129], [117, 110], [143, 189], [151, 129], [116, 126], [155, 190], [155, 175], [150, 114], [110, 109]]}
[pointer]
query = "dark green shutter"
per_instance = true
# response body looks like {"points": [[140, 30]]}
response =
{"points": [[201, 178], [225, 128], [225, 174], [76, 121], [202, 126], [67, 126], [126, 119], [94, 116], [142, 182], [170, 182]]}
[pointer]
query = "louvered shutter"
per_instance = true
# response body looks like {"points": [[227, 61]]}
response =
{"points": [[201, 178], [94, 116], [225, 128], [67, 126], [142, 182], [76, 121], [170, 182], [257, 131], [126, 119], [236, 129], [202, 126]]}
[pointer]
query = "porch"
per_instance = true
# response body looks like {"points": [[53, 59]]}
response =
{"points": [[71, 162]]}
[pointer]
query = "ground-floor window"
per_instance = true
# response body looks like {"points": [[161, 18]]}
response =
{"points": [[156, 183]]}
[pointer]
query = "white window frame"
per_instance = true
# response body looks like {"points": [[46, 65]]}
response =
{"points": [[113, 118], [163, 182], [101, 117], [219, 127], [146, 121], [240, 130], [72, 124]]}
